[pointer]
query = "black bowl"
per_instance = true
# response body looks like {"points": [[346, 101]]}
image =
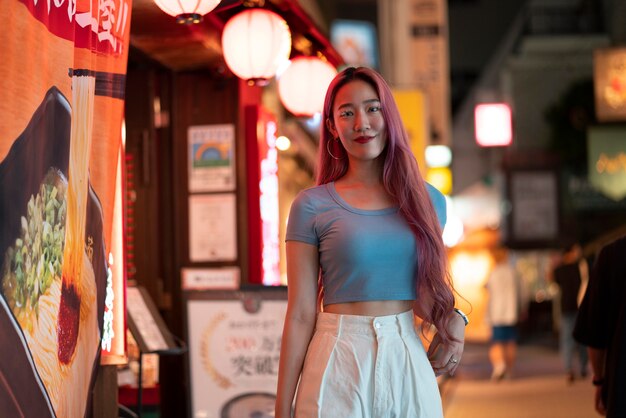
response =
{"points": [[44, 144]]}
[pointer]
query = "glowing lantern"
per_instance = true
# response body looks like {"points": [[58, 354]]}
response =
{"points": [[187, 11], [303, 85], [256, 43]]}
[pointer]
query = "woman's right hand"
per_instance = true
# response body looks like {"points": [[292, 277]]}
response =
{"points": [[446, 357], [302, 270]]}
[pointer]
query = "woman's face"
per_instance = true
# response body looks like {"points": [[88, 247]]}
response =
{"points": [[358, 121]]}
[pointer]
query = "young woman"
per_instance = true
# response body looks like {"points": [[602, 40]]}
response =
{"points": [[367, 242]]}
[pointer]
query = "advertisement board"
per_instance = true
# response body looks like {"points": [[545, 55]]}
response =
{"points": [[62, 84], [234, 346]]}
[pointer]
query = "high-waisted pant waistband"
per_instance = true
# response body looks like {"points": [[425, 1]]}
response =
{"points": [[337, 324]]}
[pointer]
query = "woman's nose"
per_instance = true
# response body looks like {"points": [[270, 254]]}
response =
{"points": [[361, 123]]}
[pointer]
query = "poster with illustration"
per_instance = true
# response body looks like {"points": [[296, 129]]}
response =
{"points": [[211, 158], [62, 83], [234, 347]]}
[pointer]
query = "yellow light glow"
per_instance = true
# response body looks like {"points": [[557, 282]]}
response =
{"points": [[441, 178], [413, 110], [471, 269]]}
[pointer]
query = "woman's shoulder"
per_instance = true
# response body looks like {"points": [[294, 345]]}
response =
{"points": [[314, 192], [312, 196], [439, 203]]}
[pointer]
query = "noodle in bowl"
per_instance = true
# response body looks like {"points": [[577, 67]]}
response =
{"points": [[43, 344], [32, 285]]}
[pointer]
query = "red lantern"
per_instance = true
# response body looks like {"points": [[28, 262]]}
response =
{"points": [[187, 11], [302, 87], [255, 44]]}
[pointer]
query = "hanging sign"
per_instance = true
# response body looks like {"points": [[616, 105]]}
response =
{"points": [[609, 80], [607, 160]]}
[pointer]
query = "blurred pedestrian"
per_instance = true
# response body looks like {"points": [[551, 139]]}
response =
{"points": [[368, 239], [572, 275], [601, 326], [503, 314]]}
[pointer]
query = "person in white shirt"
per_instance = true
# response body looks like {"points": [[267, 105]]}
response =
{"points": [[503, 314]]}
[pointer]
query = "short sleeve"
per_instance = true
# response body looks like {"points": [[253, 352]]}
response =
{"points": [[439, 203], [301, 222]]}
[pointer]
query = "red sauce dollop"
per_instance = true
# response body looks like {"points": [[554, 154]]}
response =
{"points": [[67, 325]]}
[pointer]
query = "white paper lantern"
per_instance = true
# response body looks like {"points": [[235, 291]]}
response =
{"points": [[302, 87], [187, 11], [255, 43]]}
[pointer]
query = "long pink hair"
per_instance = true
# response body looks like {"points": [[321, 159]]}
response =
{"points": [[403, 181]]}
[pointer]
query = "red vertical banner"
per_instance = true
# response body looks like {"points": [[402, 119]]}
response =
{"points": [[262, 186], [62, 85]]}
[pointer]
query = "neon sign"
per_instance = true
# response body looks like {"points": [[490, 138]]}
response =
{"points": [[268, 186]]}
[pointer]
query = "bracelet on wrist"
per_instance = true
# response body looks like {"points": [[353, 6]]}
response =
{"points": [[462, 315], [597, 381]]}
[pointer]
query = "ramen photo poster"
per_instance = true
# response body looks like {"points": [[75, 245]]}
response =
{"points": [[60, 139]]}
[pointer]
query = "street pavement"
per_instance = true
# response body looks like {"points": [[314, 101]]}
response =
{"points": [[537, 389]]}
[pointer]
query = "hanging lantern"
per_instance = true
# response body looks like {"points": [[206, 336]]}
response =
{"points": [[256, 43], [302, 87], [187, 11]]}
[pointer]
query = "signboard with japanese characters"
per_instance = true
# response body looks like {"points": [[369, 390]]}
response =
{"points": [[430, 67], [234, 348]]}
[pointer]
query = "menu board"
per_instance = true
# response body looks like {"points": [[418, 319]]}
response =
{"points": [[145, 323]]}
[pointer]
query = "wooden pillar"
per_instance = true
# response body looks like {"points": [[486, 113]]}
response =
{"points": [[104, 401]]}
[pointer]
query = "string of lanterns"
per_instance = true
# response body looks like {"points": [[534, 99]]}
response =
{"points": [[256, 43]]}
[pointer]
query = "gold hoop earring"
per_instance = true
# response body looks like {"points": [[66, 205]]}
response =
{"points": [[328, 149]]}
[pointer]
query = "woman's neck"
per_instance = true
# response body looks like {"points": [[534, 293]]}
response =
{"points": [[362, 187], [363, 173]]}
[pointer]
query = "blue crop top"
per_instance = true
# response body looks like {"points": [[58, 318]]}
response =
{"points": [[364, 255]]}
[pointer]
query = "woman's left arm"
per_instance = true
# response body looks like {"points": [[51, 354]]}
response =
{"points": [[444, 357]]}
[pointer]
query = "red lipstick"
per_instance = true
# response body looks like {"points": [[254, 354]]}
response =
{"points": [[364, 139]]}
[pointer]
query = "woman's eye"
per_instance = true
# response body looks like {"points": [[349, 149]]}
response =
{"points": [[345, 113], [375, 109]]}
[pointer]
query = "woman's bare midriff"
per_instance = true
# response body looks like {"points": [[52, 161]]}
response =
{"points": [[370, 308]]}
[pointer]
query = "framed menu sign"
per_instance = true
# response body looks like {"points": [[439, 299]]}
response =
{"points": [[212, 227]]}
